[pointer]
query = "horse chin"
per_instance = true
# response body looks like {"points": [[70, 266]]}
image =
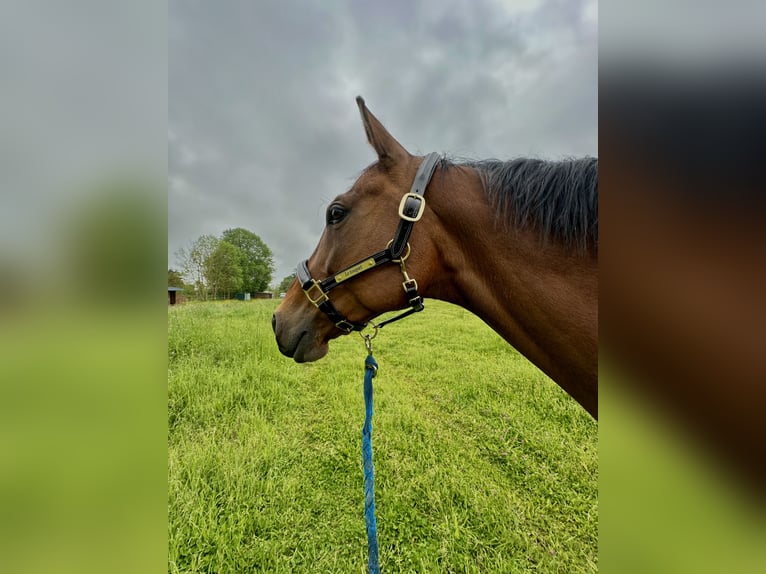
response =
{"points": [[302, 346], [310, 352]]}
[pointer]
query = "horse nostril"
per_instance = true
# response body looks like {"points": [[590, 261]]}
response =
{"points": [[274, 322]]}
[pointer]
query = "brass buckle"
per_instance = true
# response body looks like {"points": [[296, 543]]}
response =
{"points": [[421, 207], [321, 298], [409, 284], [344, 325]]}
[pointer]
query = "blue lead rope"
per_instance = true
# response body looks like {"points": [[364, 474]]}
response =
{"points": [[370, 368]]}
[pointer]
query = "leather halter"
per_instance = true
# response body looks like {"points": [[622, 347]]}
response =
{"points": [[411, 209]]}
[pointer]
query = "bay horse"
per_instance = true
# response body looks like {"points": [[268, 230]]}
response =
{"points": [[515, 243]]}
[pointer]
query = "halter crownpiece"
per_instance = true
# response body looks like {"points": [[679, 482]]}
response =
{"points": [[411, 209]]}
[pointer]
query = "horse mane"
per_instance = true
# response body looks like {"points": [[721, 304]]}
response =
{"points": [[558, 198]]}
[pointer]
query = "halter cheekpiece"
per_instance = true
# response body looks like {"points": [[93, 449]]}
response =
{"points": [[411, 210]]}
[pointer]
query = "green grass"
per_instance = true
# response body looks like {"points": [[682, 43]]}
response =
{"points": [[482, 464]]}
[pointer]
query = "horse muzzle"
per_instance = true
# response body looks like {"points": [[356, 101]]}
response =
{"points": [[299, 342]]}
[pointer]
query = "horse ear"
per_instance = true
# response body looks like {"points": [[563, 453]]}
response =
{"points": [[390, 152]]}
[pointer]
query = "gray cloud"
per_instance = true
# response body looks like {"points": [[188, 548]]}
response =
{"points": [[264, 131]]}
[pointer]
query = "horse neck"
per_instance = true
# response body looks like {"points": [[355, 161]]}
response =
{"points": [[540, 298]]}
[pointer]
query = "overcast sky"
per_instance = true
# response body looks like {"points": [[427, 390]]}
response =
{"points": [[263, 130]]}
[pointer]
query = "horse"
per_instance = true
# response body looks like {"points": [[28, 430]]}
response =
{"points": [[514, 242]]}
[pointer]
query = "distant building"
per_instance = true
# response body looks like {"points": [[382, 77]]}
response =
{"points": [[174, 296]]}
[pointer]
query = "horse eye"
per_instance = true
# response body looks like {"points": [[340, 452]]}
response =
{"points": [[335, 214]]}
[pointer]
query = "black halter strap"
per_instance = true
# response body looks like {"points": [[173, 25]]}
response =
{"points": [[411, 209]]}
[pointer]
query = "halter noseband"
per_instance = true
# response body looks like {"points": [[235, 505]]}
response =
{"points": [[411, 210]]}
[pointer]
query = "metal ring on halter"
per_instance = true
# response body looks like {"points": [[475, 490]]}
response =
{"points": [[404, 257], [368, 336]]}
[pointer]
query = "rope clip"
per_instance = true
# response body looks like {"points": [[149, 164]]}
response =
{"points": [[368, 337]]}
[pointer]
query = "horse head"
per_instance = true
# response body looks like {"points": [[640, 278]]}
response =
{"points": [[357, 255]]}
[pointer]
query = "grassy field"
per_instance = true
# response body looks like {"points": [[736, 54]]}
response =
{"points": [[482, 463]]}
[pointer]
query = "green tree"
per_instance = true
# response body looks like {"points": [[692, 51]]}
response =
{"points": [[256, 259], [285, 283], [223, 272], [193, 259], [175, 279]]}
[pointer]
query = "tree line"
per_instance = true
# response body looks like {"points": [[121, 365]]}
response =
{"points": [[219, 267]]}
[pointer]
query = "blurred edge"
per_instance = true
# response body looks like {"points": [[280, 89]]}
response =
{"points": [[83, 212], [683, 253], [83, 391], [682, 113]]}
